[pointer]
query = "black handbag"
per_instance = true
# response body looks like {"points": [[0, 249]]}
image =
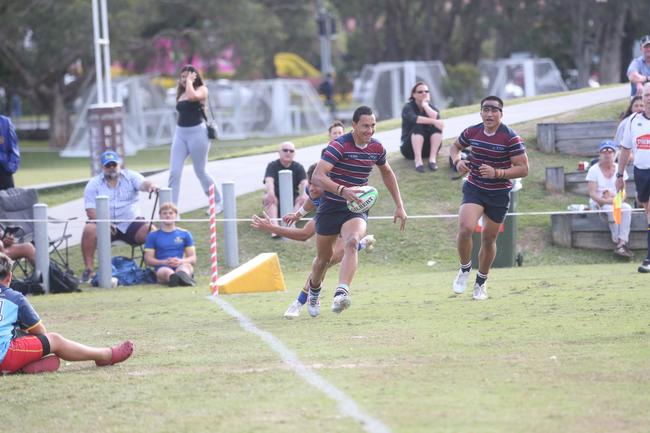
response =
{"points": [[211, 126]]}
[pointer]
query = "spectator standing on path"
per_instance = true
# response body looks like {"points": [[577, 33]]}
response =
{"points": [[122, 188], [636, 106], [601, 180], [170, 250], [326, 89], [9, 153], [636, 141], [497, 155], [25, 343], [638, 72], [191, 135], [421, 128], [286, 161]]}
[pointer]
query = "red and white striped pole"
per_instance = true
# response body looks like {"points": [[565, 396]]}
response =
{"points": [[213, 243]]}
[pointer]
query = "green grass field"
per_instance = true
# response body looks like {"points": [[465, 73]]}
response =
{"points": [[554, 349], [561, 346]]}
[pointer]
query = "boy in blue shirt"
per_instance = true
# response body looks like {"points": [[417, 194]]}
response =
{"points": [[25, 344], [170, 250]]}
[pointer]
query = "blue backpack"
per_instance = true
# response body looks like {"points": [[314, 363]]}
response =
{"points": [[128, 273]]}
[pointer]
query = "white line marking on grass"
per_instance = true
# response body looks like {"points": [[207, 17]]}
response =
{"points": [[347, 406]]}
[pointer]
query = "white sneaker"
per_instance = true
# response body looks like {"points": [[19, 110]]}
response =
{"points": [[460, 282], [480, 292], [368, 243], [341, 302], [313, 305], [293, 311]]}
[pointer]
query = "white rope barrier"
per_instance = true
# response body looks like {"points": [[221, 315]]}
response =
{"points": [[383, 217]]}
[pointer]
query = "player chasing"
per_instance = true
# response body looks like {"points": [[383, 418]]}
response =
{"points": [[305, 232], [497, 155], [343, 168]]}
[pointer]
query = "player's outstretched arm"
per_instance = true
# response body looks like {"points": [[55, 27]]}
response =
{"points": [[388, 176], [297, 234]]}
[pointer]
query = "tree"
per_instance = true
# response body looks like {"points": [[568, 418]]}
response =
{"points": [[37, 57]]}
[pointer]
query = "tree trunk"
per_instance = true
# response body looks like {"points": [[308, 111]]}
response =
{"points": [[610, 60], [60, 128]]}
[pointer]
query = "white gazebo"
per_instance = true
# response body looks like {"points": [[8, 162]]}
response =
{"points": [[519, 77], [387, 86]]}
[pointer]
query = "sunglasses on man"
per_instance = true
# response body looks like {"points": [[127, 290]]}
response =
{"points": [[288, 150]]}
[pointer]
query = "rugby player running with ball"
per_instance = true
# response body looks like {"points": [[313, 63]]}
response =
{"points": [[343, 168]]}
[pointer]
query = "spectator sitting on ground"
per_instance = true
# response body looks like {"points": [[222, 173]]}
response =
{"points": [[25, 343], [638, 72], [287, 153], [16, 250], [170, 250], [122, 188], [421, 128], [601, 179]]}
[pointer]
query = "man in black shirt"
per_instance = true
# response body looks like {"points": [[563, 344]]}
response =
{"points": [[272, 181]]}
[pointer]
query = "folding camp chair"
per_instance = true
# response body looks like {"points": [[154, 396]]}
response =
{"points": [[16, 206]]}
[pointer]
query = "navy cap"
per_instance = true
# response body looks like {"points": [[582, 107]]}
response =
{"points": [[645, 40], [607, 144], [110, 156]]}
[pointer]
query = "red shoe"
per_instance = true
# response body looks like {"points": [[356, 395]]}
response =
{"points": [[119, 353], [43, 365]]}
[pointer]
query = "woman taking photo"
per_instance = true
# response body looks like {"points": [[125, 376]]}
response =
{"points": [[191, 136]]}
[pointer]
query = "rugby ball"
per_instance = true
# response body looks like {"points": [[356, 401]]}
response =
{"points": [[368, 196]]}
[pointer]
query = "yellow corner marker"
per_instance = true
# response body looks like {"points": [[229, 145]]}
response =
{"points": [[261, 274]]}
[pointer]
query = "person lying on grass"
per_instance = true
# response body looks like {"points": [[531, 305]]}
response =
{"points": [[26, 346]]}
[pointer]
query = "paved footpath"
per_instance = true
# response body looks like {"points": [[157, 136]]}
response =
{"points": [[247, 172]]}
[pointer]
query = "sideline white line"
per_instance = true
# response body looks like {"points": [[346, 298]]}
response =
{"points": [[346, 405]]}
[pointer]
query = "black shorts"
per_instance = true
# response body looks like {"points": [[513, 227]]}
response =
{"points": [[331, 216], [131, 230], [642, 183], [425, 131], [495, 203]]}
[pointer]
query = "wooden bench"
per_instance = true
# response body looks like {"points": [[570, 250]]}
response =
{"points": [[558, 181], [590, 231], [577, 138]]}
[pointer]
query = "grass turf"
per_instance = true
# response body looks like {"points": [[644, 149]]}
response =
{"points": [[554, 349]]}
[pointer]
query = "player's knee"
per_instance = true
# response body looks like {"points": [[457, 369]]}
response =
{"points": [[54, 339], [465, 231], [352, 243], [90, 230], [489, 239]]}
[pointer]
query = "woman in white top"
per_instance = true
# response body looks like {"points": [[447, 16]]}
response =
{"points": [[601, 179], [636, 106]]}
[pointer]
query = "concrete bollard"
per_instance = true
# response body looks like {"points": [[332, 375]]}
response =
{"points": [[164, 196], [42, 244], [230, 227], [104, 268], [286, 193]]}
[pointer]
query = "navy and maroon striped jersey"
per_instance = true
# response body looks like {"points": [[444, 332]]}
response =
{"points": [[352, 165], [494, 150]]}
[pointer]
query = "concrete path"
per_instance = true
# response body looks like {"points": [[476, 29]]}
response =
{"points": [[247, 172]]}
